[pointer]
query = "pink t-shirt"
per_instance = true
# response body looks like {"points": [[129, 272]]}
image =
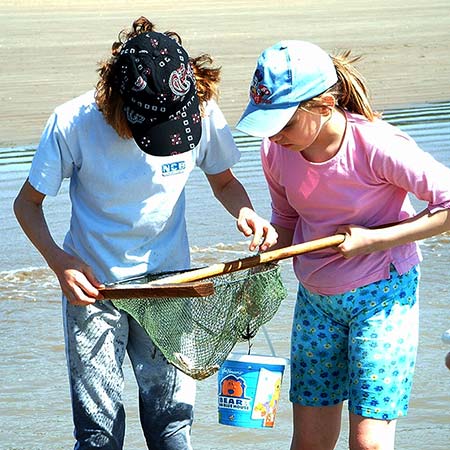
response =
{"points": [[366, 183]]}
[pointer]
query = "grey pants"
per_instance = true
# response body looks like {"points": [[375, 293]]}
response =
{"points": [[97, 339]]}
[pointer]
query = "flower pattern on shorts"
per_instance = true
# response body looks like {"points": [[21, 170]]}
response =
{"points": [[359, 346]]}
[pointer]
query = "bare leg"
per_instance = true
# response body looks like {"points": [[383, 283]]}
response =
{"points": [[371, 434], [316, 428], [447, 360]]}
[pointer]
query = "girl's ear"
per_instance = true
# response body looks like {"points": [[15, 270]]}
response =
{"points": [[328, 104]]}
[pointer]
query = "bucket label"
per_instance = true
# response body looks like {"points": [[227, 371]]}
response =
{"points": [[249, 392], [267, 396], [232, 394]]}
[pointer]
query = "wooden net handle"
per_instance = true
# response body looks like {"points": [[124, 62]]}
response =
{"points": [[252, 261], [148, 290]]}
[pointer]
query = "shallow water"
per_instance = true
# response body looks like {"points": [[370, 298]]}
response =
{"points": [[34, 399]]}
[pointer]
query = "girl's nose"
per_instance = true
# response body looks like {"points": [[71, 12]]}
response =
{"points": [[275, 137]]}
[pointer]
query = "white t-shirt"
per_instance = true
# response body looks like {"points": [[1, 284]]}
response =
{"points": [[128, 207]]}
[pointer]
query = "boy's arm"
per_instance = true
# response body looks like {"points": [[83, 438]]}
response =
{"points": [[233, 196], [76, 279]]}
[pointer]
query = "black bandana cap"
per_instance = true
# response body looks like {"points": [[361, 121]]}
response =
{"points": [[158, 88]]}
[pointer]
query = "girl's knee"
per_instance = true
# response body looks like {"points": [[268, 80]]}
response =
{"points": [[447, 360], [371, 434]]}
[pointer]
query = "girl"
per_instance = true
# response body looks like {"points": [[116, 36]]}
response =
{"points": [[333, 166]]}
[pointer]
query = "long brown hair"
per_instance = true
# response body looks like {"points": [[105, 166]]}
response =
{"points": [[351, 92], [107, 94]]}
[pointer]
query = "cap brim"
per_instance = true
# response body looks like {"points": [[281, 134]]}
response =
{"points": [[179, 134], [267, 122]]}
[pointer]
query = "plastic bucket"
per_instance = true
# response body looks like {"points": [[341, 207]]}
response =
{"points": [[249, 390]]}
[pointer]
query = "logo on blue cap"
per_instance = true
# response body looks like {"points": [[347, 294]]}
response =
{"points": [[258, 91]]}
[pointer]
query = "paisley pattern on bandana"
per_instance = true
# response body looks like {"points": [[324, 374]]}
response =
{"points": [[180, 80]]}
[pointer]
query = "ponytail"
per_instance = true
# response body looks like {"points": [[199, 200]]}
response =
{"points": [[351, 91]]}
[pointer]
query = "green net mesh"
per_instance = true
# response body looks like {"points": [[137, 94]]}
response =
{"points": [[196, 334]]}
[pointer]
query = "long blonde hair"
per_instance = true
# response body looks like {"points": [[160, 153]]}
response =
{"points": [[108, 98], [350, 92]]}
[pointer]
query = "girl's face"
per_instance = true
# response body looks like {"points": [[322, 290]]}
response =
{"points": [[317, 132], [301, 131]]}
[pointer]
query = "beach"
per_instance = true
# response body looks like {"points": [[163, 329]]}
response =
{"points": [[50, 53], [50, 49]]}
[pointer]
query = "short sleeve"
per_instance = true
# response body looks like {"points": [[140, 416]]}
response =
{"points": [[218, 151], [52, 161]]}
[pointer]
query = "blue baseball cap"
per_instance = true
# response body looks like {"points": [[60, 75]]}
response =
{"points": [[288, 73]]}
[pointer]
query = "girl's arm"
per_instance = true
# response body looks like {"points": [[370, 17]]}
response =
{"points": [[361, 241]]}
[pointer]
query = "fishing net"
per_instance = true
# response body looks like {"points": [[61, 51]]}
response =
{"points": [[196, 334]]}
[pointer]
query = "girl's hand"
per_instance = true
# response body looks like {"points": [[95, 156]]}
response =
{"points": [[77, 280], [359, 240], [264, 234]]}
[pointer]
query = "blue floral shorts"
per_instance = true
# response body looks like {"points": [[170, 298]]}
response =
{"points": [[359, 346]]}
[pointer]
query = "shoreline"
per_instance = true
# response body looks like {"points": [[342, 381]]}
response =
{"points": [[32, 146], [52, 48]]}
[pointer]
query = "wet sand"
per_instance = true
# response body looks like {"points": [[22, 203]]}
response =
{"points": [[50, 49]]}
